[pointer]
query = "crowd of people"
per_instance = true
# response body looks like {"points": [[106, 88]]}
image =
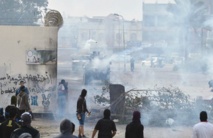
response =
{"points": [[16, 122]]}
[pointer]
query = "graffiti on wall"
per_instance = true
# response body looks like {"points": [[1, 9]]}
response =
{"points": [[39, 85], [34, 100], [46, 100], [41, 57]]}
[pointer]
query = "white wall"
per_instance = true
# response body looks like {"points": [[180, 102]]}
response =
{"points": [[40, 79]]}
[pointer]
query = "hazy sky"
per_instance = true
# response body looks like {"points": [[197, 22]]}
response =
{"points": [[129, 9]]}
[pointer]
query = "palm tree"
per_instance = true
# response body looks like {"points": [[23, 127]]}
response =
{"points": [[189, 16]]}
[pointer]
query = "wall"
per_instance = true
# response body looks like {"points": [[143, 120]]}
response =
{"points": [[30, 54]]}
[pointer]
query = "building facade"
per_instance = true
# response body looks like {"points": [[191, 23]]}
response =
{"points": [[112, 31], [180, 25]]}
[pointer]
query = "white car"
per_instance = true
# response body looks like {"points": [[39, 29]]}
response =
{"points": [[147, 62]]}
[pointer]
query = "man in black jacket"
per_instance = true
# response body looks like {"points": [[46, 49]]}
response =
{"points": [[105, 126], [81, 110], [26, 127], [135, 128]]}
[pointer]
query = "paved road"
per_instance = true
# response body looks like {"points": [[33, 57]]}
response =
{"points": [[49, 129]]}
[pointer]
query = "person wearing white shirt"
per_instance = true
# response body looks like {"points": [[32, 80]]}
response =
{"points": [[203, 129]]}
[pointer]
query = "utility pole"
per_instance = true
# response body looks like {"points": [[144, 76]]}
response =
{"points": [[124, 45]]}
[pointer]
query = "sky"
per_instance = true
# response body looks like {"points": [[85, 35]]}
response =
{"points": [[129, 9]]}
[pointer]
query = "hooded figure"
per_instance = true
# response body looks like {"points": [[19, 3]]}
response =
{"points": [[81, 103], [135, 128], [66, 126], [26, 127], [8, 126], [107, 114], [81, 110], [66, 129], [136, 116], [105, 126], [26, 119]]}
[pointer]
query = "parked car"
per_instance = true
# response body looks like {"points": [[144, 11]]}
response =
{"points": [[153, 62]]}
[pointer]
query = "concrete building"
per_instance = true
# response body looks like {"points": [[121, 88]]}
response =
{"points": [[157, 27], [181, 27], [112, 31], [29, 54]]}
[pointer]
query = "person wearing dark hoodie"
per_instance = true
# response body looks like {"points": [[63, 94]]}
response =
{"points": [[23, 102], [13, 105], [66, 129], [135, 128], [81, 110], [26, 127], [8, 126], [106, 127]]}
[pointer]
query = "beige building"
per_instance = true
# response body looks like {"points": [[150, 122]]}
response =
{"points": [[112, 31], [157, 25]]}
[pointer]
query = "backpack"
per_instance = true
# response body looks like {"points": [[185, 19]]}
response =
{"points": [[19, 98], [61, 88]]}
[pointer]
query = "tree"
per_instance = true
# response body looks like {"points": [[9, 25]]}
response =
{"points": [[21, 12], [189, 16]]}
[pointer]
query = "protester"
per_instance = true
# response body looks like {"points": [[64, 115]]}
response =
{"points": [[135, 128], [62, 97], [12, 105], [81, 110], [203, 129], [105, 126], [132, 64], [23, 102], [22, 87], [2, 117], [8, 126], [26, 127], [7, 111], [66, 129], [13, 100]]}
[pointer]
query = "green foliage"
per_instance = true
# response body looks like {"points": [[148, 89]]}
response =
{"points": [[21, 12], [189, 16], [190, 13]]}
